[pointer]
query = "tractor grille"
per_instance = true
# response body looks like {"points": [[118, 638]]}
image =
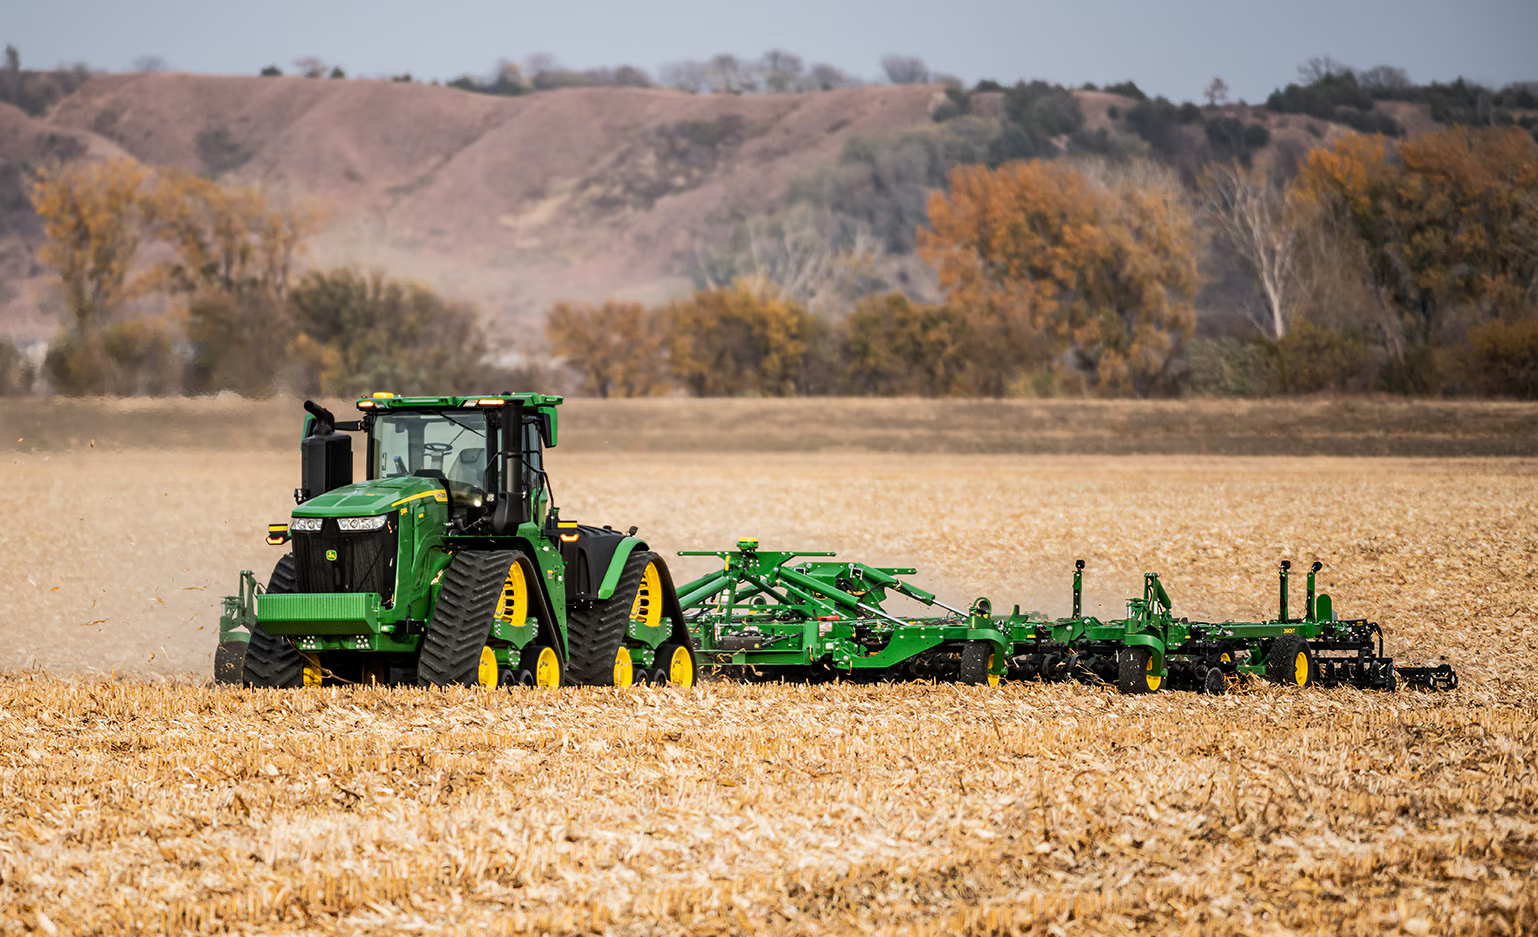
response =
{"points": [[365, 561]]}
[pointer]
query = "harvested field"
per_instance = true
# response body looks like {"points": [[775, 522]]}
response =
{"points": [[134, 799]]}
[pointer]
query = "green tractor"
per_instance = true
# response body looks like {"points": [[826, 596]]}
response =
{"points": [[448, 564]]}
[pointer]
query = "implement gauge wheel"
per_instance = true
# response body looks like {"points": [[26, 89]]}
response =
{"points": [[977, 660], [479, 587], [271, 661], [1135, 670], [1291, 662]]}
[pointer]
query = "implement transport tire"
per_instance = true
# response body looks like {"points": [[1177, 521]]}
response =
{"points": [[977, 664], [596, 629], [271, 661], [1134, 670], [478, 588], [1291, 662]]}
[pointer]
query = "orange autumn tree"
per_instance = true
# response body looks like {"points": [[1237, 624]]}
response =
{"points": [[1083, 272], [619, 348], [94, 221], [1445, 223], [231, 256], [744, 340]]}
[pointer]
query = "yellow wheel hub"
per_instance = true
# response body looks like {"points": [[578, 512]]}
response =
{"points": [[647, 608], [312, 672], [547, 668], [513, 606], [681, 667], [1153, 679], [624, 671], [993, 678], [486, 671], [1300, 668]]}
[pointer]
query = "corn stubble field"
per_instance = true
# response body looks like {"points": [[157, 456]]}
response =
{"points": [[134, 798]]}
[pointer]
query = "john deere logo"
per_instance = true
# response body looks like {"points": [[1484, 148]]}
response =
{"points": [[331, 555]]}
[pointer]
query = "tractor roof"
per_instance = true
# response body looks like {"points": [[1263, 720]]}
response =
{"points": [[386, 401]]}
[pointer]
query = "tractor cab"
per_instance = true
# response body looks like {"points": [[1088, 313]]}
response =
{"points": [[483, 456]]}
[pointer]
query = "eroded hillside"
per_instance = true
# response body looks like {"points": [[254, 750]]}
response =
{"points": [[508, 202]]}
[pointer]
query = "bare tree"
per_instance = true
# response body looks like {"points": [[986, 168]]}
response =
{"points": [[727, 74], [825, 77], [1217, 92], [808, 254], [782, 71], [630, 76], [540, 63], [310, 66], [1249, 212], [905, 69], [150, 63], [687, 75], [1386, 78], [12, 73], [1319, 67]]}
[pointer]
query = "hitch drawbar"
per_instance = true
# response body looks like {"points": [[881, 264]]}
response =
{"points": [[786, 614]]}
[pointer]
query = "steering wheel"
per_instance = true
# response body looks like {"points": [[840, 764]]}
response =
{"points": [[438, 448]]}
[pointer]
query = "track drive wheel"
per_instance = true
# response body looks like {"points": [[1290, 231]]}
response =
{"points": [[596, 630], [977, 660], [1291, 662], [1135, 670], [478, 588], [271, 661]]}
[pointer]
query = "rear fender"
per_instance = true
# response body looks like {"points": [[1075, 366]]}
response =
{"points": [[1154, 645]]}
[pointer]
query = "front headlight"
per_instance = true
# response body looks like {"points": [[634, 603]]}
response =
{"points": [[305, 523], [361, 523]]}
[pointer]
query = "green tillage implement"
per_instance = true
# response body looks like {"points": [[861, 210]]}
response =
{"points": [[798, 615]]}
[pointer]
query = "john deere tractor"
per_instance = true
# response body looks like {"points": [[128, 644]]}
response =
{"points": [[449, 563]]}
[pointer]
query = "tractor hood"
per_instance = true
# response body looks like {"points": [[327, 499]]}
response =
{"points": [[380, 496]]}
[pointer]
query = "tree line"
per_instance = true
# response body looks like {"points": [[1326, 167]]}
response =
{"points": [[1381, 265], [220, 262]]}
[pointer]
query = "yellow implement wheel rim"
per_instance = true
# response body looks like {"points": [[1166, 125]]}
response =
{"points": [[486, 671], [547, 668], [513, 606], [681, 667], [624, 670], [1300, 668], [647, 607], [993, 678], [312, 672], [1153, 679]]}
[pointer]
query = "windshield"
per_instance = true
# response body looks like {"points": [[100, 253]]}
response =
{"points": [[454, 444]]}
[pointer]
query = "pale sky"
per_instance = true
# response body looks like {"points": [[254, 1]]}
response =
{"points": [[1169, 47]]}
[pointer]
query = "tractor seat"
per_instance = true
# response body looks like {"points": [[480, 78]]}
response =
{"points": [[469, 467]]}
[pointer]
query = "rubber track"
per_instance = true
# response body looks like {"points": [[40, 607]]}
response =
{"points": [[272, 661], [467, 600], [595, 630]]}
